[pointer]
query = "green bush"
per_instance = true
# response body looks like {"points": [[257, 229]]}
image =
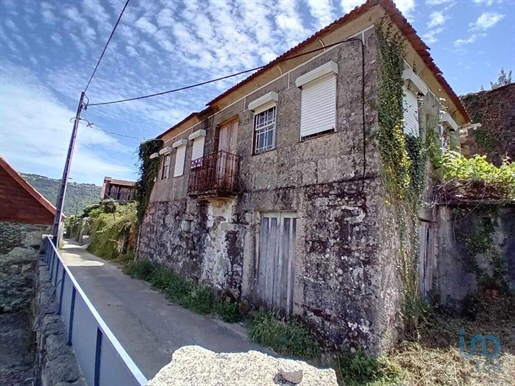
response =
{"points": [[200, 299], [113, 233], [140, 269], [500, 180], [285, 338], [228, 311], [357, 368]]}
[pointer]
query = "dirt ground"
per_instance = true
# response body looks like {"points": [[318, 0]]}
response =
{"points": [[16, 354]]}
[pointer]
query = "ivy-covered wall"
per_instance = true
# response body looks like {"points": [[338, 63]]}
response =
{"points": [[476, 251], [495, 110]]}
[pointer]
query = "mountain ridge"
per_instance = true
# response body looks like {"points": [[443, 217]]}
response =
{"points": [[78, 195]]}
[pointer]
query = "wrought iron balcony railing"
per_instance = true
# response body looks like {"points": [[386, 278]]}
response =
{"points": [[214, 175]]}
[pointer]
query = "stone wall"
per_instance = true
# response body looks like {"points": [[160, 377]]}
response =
{"points": [[476, 251], [19, 245], [55, 360], [21, 235], [495, 110], [22, 282], [346, 286]]}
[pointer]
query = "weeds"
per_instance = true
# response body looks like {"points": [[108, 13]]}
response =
{"points": [[284, 338], [201, 299], [357, 368]]}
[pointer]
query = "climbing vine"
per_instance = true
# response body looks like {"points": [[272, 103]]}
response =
{"points": [[434, 151], [148, 171], [403, 161], [475, 238]]}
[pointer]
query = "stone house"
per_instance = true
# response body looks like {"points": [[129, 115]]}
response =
{"points": [[119, 190], [273, 193]]}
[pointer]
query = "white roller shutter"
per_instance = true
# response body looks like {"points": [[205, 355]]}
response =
{"points": [[318, 106], [198, 148], [410, 106], [179, 161]]}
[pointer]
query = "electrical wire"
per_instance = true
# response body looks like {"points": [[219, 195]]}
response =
{"points": [[92, 126], [217, 79], [107, 44]]}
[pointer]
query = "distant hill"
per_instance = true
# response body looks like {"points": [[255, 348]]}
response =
{"points": [[78, 195]]}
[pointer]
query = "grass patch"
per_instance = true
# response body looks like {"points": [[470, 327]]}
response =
{"points": [[436, 360], [284, 338], [357, 368], [201, 299]]}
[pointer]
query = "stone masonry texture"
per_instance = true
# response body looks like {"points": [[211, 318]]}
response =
{"points": [[346, 287]]}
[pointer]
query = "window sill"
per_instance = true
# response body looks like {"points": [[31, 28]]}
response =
{"points": [[317, 135], [264, 151]]}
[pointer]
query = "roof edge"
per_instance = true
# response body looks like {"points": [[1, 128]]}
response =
{"points": [[28, 187]]}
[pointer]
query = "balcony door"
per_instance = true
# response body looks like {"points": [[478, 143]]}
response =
{"points": [[227, 148], [228, 137]]}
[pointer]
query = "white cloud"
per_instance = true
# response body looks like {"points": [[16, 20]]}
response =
{"points": [[144, 25], [486, 21], [430, 37], [461, 42], [322, 11], [436, 19], [10, 24], [438, 2], [57, 38], [349, 5], [48, 16], [35, 133], [487, 2], [165, 18], [405, 6]]}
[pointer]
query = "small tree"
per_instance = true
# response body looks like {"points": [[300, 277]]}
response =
{"points": [[502, 80]]}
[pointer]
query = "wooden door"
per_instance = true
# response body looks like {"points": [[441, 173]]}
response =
{"points": [[426, 261], [227, 143], [276, 261]]}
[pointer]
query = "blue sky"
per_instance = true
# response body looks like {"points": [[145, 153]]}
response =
{"points": [[48, 50]]}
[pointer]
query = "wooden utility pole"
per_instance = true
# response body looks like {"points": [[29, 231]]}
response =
{"points": [[64, 181]]}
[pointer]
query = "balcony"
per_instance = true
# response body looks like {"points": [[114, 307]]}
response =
{"points": [[214, 176]]}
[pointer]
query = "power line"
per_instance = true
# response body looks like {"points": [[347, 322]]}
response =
{"points": [[105, 47], [221, 78], [91, 125]]}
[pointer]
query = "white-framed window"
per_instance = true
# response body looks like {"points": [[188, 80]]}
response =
{"points": [[318, 100], [264, 130], [410, 106], [180, 157], [197, 150], [165, 172]]}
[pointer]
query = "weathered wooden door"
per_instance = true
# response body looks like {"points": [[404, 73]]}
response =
{"points": [[227, 143], [426, 261], [276, 261], [228, 137]]}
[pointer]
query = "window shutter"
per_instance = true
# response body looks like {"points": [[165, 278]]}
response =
{"points": [[179, 161], [410, 105], [198, 148], [318, 106]]}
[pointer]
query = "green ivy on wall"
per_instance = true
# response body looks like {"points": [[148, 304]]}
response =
{"points": [[477, 243], [403, 164], [148, 171]]}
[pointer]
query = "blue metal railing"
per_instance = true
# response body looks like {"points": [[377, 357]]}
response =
{"points": [[100, 355]]}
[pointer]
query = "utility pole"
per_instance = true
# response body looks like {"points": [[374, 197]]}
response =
{"points": [[64, 181]]}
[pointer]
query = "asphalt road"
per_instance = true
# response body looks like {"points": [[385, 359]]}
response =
{"points": [[148, 326]]}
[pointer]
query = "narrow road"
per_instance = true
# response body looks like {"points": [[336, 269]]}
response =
{"points": [[148, 326]]}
